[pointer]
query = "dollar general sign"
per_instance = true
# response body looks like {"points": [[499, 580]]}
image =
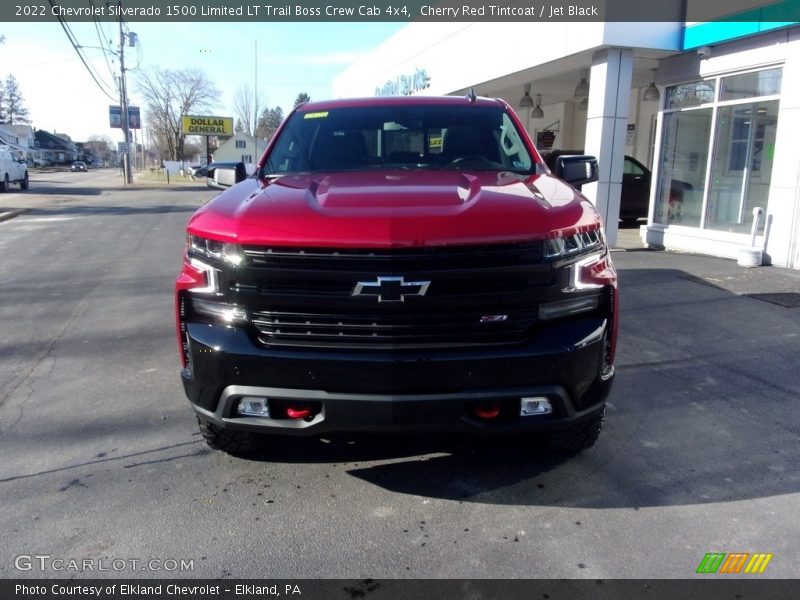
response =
{"points": [[191, 125]]}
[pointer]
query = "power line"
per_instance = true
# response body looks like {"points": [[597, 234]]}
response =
{"points": [[73, 40], [103, 42]]}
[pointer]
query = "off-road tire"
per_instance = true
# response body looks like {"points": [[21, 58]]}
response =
{"points": [[23, 185], [577, 437], [231, 442]]}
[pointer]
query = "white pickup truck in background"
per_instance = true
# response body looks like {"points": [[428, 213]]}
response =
{"points": [[13, 169]]}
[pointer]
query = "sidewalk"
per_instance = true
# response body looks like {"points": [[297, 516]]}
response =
{"points": [[772, 284]]}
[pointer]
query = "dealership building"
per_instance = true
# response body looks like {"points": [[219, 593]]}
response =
{"points": [[711, 108]]}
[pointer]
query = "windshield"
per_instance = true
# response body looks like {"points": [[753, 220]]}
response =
{"points": [[403, 137]]}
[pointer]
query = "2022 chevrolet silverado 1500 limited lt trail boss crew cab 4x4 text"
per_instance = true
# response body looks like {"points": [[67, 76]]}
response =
{"points": [[399, 264]]}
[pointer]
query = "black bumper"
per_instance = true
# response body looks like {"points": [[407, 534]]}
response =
{"points": [[432, 390]]}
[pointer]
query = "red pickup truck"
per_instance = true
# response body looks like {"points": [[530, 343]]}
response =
{"points": [[399, 264]]}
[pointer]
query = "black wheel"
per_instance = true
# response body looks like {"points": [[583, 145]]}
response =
{"points": [[24, 183], [4, 184], [577, 437], [232, 442]]}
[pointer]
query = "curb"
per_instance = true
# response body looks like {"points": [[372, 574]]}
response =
{"points": [[5, 216]]}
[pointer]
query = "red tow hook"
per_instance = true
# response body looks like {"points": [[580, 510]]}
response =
{"points": [[294, 412], [487, 411]]}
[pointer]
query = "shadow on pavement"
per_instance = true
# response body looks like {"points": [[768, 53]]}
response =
{"points": [[703, 410]]}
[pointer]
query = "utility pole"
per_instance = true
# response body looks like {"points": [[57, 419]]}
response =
{"points": [[126, 161]]}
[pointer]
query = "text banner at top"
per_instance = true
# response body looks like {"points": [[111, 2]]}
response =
{"points": [[784, 11]]}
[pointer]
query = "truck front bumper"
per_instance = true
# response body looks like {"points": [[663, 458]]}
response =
{"points": [[476, 390]]}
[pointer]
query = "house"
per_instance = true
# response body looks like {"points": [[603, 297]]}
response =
{"points": [[241, 147], [19, 137], [55, 148]]}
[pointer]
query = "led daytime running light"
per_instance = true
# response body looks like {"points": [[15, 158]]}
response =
{"points": [[571, 245]]}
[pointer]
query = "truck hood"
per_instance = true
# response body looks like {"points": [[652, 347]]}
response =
{"points": [[397, 208]]}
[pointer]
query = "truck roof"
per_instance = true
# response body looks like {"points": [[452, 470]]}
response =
{"points": [[395, 101]]}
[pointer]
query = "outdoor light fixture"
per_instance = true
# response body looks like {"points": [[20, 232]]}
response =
{"points": [[582, 89], [538, 113], [584, 105], [651, 94], [526, 101]]}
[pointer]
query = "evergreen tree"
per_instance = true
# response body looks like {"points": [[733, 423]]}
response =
{"points": [[302, 97], [2, 103], [269, 121], [13, 104]]}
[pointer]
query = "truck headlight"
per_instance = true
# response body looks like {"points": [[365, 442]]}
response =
{"points": [[575, 244], [230, 253]]}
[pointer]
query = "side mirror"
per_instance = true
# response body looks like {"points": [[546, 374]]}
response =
{"points": [[224, 176], [576, 170]]}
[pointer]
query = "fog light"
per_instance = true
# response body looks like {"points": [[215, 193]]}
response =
{"points": [[253, 406], [537, 405]]}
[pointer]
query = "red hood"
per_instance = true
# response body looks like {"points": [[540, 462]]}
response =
{"points": [[400, 208]]}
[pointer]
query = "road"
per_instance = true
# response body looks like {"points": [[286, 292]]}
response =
{"points": [[102, 458]]}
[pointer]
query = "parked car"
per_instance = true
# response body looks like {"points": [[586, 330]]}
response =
{"points": [[197, 171], [78, 165], [13, 169], [636, 178], [398, 264]]}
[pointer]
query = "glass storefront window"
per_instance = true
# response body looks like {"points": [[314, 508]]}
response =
{"points": [[740, 178], [750, 85], [687, 95], [742, 142], [682, 168]]}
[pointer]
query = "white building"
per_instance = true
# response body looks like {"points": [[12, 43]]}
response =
{"points": [[19, 137], [712, 106], [241, 148]]}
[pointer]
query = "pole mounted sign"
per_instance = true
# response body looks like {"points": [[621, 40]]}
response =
{"points": [[115, 117], [191, 125]]}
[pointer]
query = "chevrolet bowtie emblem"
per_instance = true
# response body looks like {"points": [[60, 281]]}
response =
{"points": [[391, 289]]}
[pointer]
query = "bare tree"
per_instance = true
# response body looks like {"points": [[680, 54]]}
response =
{"points": [[245, 109], [170, 94]]}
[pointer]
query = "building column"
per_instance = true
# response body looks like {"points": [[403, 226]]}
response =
{"points": [[783, 207], [606, 126]]}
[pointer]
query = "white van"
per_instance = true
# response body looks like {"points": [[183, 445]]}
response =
{"points": [[13, 169]]}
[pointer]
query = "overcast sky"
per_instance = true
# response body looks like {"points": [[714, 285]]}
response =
{"points": [[292, 58]]}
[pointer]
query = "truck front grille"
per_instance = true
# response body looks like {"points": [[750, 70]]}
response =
{"points": [[408, 329], [477, 295]]}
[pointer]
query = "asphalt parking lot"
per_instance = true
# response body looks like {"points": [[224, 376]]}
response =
{"points": [[102, 458]]}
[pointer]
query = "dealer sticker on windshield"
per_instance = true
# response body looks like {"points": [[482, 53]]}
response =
{"points": [[316, 115]]}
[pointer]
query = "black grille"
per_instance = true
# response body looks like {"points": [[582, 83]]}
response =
{"points": [[477, 295], [441, 257], [391, 330]]}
